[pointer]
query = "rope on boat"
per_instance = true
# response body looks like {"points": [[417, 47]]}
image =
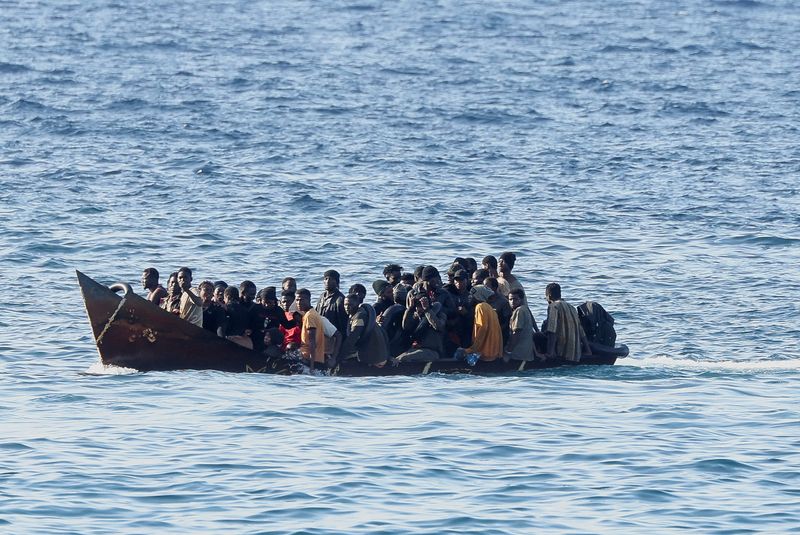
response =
{"points": [[110, 321]]}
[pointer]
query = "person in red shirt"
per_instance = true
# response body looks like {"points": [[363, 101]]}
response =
{"points": [[291, 336]]}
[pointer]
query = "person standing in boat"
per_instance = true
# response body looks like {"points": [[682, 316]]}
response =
{"points": [[256, 313], [289, 284], [312, 332], [522, 327], [489, 263], [500, 305], [425, 321], [564, 332], [191, 306], [331, 302], [291, 335], [219, 293], [237, 321], [506, 280], [172, 301], [365, 339], [155, 292]]}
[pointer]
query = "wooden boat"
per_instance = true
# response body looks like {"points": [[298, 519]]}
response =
{"points": [[133, 333]]}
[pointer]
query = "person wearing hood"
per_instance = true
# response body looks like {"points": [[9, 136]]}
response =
{"points": [[487, 340], [365, 339]]}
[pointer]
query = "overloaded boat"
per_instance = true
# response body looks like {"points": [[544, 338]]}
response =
{"points": [[131, 332]]}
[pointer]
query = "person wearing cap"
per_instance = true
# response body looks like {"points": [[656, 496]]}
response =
{"points": [[392, 273], [459, 325], [331, 302], [383, 291], [487, 341], [506, 280], [365, 339], [522, 325]]}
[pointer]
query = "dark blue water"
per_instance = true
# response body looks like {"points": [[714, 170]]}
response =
{"points": [[643, 154]]}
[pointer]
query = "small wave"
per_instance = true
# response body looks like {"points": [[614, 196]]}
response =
{"points": [[743, 366], [98, 368], [8, 68]]}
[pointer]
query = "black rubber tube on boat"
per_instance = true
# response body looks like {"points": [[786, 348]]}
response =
{"points": [[124, 286]]}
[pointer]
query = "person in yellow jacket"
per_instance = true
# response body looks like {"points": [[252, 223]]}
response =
{"points": [[487, 339]]}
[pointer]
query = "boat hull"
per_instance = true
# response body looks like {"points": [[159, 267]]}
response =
{"points": [[131, 332]]}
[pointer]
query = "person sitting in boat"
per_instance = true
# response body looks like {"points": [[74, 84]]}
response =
{"points": [[489, 263], [365, 340], [291, 335], [312, 332], [563, 328], [155, 292], [487, 340], [384, 292], [391, 320], [172, 301], [358, 289], [257, 314], [191, 306], [273, 343], [459, 326], [506, 280], [500, 305], [237, 319], [522, 325], [392, 273], [213, 314], [219, 293], [425, 322], [331, 302]]}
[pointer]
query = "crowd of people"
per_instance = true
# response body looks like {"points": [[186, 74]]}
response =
{"points": [[480, 313]]}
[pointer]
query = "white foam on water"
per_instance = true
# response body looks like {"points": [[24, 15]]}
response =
{"points": [[98, 368], [745, 366]]}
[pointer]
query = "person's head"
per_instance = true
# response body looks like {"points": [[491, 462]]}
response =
{"points": [[418, 273], [287, 298], [185, 278], [219, 292], [472, 265], [358, 289], [150, 278], [491, 283], [407, 279], [506, 263], [303, 299], [206, 292], [231, 295], [430, 276], [399, 293], [451, 271], [479, 276], [351, 303], [260, 296], [268, 296], [392, 273], [383, 289], [516, 297], [552, 292], [480, 294], [489, 263], [290, 284], [460, 280], [331, 280], [172, 283], [273, 337], [247, 292]]}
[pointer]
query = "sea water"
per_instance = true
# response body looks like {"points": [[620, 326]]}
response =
{"points": [[643, 154]]}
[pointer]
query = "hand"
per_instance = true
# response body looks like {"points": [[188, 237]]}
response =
{"points": [[425, 303]]}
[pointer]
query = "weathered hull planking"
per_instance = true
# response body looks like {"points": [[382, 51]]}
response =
{"points": [[131, 332]]}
